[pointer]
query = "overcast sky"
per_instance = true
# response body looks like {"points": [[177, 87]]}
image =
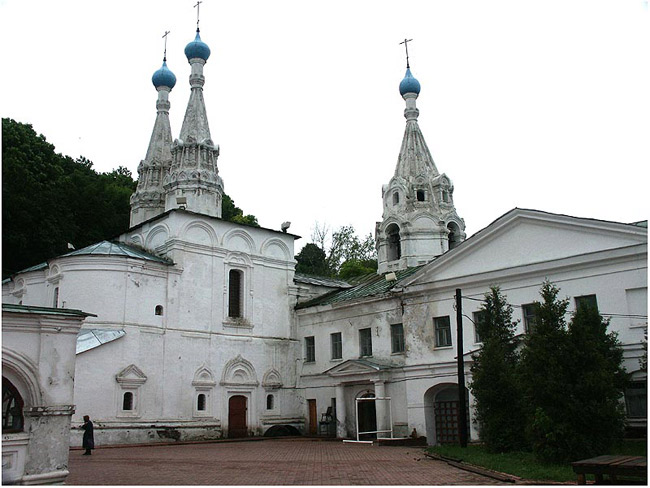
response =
{"points": [[533, 104]]}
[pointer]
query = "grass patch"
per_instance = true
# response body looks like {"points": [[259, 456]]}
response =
{"points": [[524, 464]]}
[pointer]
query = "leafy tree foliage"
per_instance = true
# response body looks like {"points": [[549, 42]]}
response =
{"points": [[50, 200], [495, 386], [229, 211], [312, 260], [347, 255], [357, 267]]}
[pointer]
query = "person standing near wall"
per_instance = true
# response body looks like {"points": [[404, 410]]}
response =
{"points": [[88, 439]]}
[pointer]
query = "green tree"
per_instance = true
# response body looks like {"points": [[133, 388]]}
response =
{"points": [[545, 376], [346, 247], [312, 260], [596, 415], [232, 213], [495, 386]]}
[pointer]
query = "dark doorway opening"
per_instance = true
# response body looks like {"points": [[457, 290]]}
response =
{"points": [[237, 413]]}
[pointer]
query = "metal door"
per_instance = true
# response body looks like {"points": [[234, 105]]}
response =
{"points": [[237, 413]]}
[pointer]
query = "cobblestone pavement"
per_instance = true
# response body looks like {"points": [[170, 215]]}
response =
{"points": [[266, 462]]}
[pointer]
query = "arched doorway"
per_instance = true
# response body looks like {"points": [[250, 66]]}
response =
{"points": [[237, 414], [441, 414], [12, 408], [367, 416]]}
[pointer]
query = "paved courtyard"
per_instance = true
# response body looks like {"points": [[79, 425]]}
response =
{"points": [[266, 462]]}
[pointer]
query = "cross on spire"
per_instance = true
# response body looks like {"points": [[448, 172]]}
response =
{"points": [[198, 3], [405, 42], [165, 37]]}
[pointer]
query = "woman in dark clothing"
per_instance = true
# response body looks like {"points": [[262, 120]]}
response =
{"points": [[88, 440]]}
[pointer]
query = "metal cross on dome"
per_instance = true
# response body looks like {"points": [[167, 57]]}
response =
{"points": [[198, 3], [165, 37], [405, 42]]}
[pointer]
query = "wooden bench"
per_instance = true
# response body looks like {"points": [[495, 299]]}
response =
{"points": [[613, 467]]}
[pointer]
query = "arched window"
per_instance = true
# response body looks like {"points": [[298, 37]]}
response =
{"points": [[454, 235], [159, 310], [420, 195], [395, 198], [269, 402], [12, 408], [234, 293], [394, 251], [200, 402], [127, 401]]}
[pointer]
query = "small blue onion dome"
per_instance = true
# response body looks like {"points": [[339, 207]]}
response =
{"points": [[164, 77], [197, 49], [409, 84]]}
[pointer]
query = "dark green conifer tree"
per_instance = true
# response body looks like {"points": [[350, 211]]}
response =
{"points": [[494, 384]]}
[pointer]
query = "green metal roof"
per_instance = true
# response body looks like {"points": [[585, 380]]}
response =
{"points": [[106, 248], [9, 307], [370, 285]]}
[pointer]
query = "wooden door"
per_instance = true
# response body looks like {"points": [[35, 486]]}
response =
{"points": [[237, 413], [313, 417]]}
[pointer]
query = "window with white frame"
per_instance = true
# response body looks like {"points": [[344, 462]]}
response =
{"points": [[585, 301], [528, 312], [397, 338], [477, 317], [310, 349], [365, 342], [442, 328], [336, 345]]}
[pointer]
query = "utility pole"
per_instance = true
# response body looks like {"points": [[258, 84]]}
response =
{"points": [[462, 404]]}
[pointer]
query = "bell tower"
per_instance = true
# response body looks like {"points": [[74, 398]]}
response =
{"points": [[419, 221]]}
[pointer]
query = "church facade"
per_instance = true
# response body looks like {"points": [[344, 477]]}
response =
{"points": [[202, 329]]}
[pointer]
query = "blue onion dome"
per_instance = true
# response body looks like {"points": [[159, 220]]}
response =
{"points": [[164, 77], [197, 49], [409, 84]]}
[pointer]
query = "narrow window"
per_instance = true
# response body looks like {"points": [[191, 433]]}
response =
{"points": [[528, 311], [234, 293], [397, 338], [337, 345], [12, 408], [127, 401], [442, 327], [636, 399], [477, 317], [453, 235], [365, 342], [55, 301], [310, 350], [395, 198], [420, 195], [394, 251], [269, 402], [445, 196], [586, 301], [159, 310], [200, 402]]}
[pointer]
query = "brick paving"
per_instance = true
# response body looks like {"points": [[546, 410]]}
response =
{"points": [[266, 462]]}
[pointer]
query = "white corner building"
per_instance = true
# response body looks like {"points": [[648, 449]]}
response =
{"points": [[203, 330]]}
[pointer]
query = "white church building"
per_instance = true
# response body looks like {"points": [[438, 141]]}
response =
{"points": [[201, 328]]}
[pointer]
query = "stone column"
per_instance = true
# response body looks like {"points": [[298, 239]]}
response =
{"points": [[341, 430], [381, 408]]}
